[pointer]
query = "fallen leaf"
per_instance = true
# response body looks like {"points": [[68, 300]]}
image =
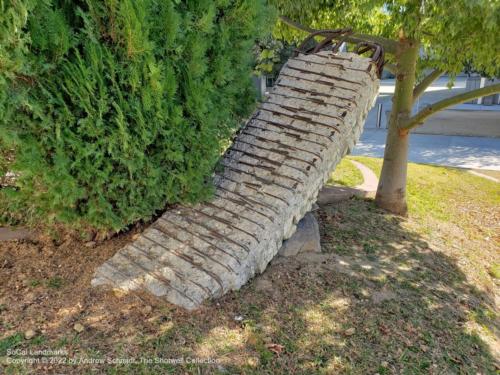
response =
{"points": [[275, 348], [350, 331]]}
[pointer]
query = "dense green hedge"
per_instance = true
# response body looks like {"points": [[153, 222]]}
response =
{"points": [[117, 108]]}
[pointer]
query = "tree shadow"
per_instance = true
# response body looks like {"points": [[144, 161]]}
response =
{"points": [[381, 298]]}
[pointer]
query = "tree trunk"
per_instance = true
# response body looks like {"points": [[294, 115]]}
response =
{"points": [[391, 191]]}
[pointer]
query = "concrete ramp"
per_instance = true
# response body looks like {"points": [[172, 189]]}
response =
{"points": [[269, 179]]}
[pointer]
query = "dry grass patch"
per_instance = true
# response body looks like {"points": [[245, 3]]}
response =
{"points": [[388, 295]]}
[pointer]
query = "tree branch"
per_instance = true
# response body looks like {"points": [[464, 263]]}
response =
{"points": [[426, 82], [390, 46], [296, 25], [425, 113]]}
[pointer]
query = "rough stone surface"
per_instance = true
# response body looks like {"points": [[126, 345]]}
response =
{"points": [[305, 239], [335, 194], [271, 177]]}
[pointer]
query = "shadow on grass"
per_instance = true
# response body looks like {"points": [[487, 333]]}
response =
{"points": [[380, 299]]}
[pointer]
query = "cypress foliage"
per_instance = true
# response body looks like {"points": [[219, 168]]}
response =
{"points": [[116, 108]]}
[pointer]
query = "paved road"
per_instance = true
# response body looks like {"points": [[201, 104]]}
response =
{"points": [[453, 151]]}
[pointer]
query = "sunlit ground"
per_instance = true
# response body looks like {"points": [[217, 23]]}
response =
{"points": [[388, 295]]}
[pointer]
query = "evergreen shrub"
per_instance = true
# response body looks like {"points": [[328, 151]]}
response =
{"points": [[114, 109]]}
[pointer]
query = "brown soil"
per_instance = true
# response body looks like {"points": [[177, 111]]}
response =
{"points": [[382, 297], [45, 287]]}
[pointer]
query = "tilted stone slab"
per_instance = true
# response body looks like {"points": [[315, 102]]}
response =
{"points": [[271, 177]]}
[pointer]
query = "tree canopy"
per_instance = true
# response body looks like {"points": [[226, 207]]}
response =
{"points": [[444, 35], [450, 32]]}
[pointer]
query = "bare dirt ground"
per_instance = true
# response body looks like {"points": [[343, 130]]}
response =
{"points": [[388, 295]]}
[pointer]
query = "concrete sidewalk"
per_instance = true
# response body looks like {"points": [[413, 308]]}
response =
{"points": [[452, 151]]}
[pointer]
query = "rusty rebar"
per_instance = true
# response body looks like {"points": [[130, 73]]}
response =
{"points": [[333, 39]]}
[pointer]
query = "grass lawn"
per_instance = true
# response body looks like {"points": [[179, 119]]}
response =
{"points": [[388, 295], [346, 175]]}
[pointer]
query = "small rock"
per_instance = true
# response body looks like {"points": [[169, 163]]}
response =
{"points": [[90, 244], [424, 348], [79, 328], [334, 194], [147, 310], [29, 334], [350, 331], [384, 364], [238, 318], [305, 239]]}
